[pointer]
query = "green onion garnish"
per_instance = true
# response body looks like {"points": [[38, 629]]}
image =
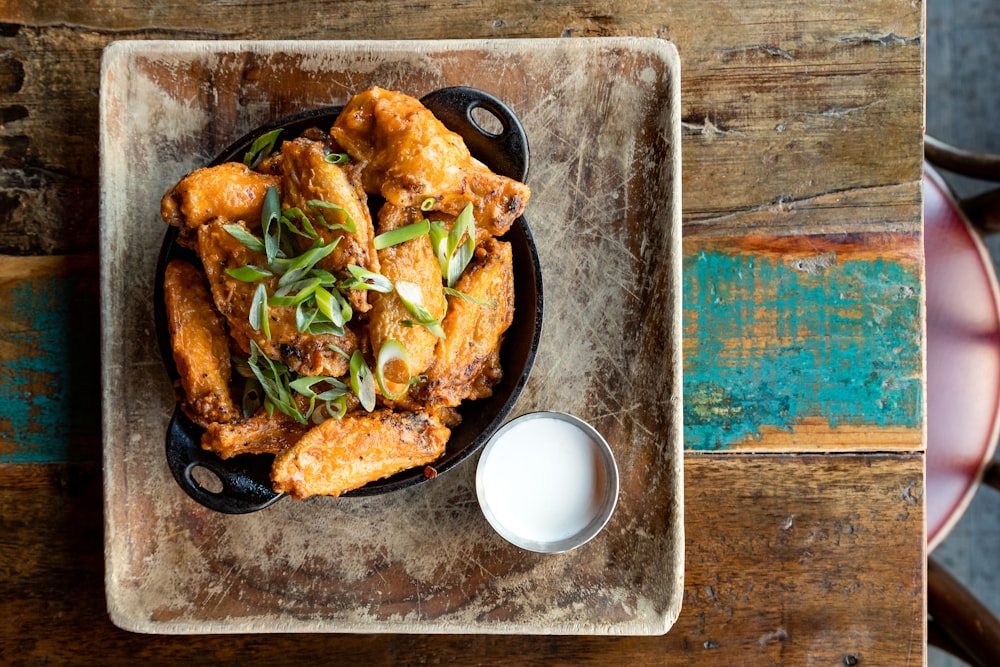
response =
{"points": [[249, 273], [459, 256], [413, 299], [348, 225], [245, 237], [392, 351], [362, 278], [259, 314], [269, 217], [402, 234], [261, 148], [362, 382], [468, 297], [338, 158], [428, 204]]}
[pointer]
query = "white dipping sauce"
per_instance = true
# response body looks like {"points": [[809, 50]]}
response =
{"points": [[544, 479]]}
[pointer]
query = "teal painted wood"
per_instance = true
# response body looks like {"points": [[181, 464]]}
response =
{"points": [[49, 371], [773, 342]]}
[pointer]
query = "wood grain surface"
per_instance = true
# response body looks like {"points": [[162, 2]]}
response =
{"points": [[832, 578], [802, 127]]}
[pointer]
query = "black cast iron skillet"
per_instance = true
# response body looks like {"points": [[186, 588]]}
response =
{"points": [[245, 479]]}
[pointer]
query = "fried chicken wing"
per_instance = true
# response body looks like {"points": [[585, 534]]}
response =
{"points": [[340, 455], [200, 345], [230, 191], [413, 261], [259, 434], [466, 361], [307, 176], [307, 354], [408, 155]]}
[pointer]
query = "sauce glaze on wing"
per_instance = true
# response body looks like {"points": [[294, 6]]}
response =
{"points": [[200, 345], [303, 353]]}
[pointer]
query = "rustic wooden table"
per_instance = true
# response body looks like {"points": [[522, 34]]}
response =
{"points": [[803, 329]]}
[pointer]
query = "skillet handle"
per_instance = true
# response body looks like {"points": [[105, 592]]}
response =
{"points": [[454, 106], [246, 484]]}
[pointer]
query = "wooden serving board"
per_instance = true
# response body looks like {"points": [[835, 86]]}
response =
{"points": [[602, 121]]}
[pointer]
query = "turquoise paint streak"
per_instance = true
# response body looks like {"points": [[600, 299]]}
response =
{"points": [[38, 410], [773, 346]]}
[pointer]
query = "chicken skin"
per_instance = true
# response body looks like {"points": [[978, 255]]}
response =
{"points": [[343, 454], [413, 261], [259, 434], [466, 360], [307, 176], [230, 191], [304, 353], [200, 345], [408, 156]]}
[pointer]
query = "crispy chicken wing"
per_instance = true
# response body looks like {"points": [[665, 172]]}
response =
{"points": [[473, 331], [307, 176], [200, 345], [230, 191], [259, 434], [408, 155], [340, 455], [304, 353], [412, 261]]}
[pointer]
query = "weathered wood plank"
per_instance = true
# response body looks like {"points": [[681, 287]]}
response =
{"points": [[833, 577], [781, 106], [803, 343], [50, 380]]}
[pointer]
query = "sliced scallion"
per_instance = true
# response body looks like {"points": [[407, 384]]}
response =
{"points": [[413, 299], [248, 273], [392, 351], [348, 225], [362, 382], [402, 234], [338, 158], [468, 297], [428, 204], [362, 278], [261, 148], [269, 216], [246, 238], [259, 314]]}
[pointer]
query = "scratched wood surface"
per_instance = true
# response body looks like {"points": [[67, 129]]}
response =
{"points": [[602, 115], [802, 127], [820, 582]]}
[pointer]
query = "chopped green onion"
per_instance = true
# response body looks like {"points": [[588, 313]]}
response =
{"points": [[304, 317], [362, 278], [259, 314], [274, 380], [239, 233], [348, 225], [468, 297], [392, 351], [294, 269], [338, 350], [401, 234], [269, 217], [338, 158], [457, 261], [362, 382], [249, 273], [304, 289], [289, 218], [413, 299], [324, 301], [261, 148], [428, 204]]}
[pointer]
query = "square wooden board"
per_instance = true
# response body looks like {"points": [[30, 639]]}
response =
{"points": [[602, 119]]}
